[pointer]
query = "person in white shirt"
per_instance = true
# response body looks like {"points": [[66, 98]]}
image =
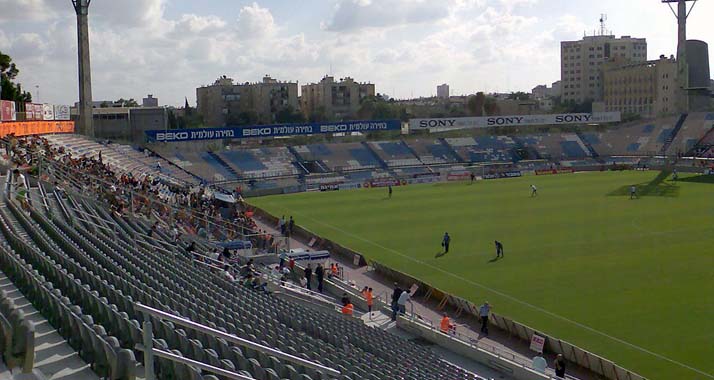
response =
{"points": [[402, 301], [534, 191], [539, 363]]}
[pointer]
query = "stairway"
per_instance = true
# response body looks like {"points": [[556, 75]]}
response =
{"points": [[587, 144], [673, 134], [376, 156], [225, 165], [412, 151], [451, 150]]}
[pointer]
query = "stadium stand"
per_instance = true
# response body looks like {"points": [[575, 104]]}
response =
{"points": [[432, 151], [484, 148], [639, 139], [394, 153], [339, 157], [261, 162], [85, 268], [556, 146], [694, 130]]}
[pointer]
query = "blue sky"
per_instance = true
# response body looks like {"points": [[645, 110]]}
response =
{"points": [[406, 47]]}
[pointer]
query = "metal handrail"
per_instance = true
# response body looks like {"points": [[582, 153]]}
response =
{"points": [[180, 359], [149, 311]]}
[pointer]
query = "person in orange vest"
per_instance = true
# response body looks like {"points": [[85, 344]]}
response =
{"points": [[370, 300], [446, 326], [333, 269], [348, 308]]}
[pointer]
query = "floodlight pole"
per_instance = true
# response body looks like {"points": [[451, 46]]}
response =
{"points": [[85, 126], [682, 98]]}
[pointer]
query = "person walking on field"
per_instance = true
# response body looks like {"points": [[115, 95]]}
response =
{"points": [[390, 191], [499, 249], [534, 191], [483, 312], [445, 242]]}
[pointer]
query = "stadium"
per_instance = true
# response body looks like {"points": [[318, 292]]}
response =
{"points": [[263, 235]]}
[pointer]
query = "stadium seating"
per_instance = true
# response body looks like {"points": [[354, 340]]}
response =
{"points": [[85, 268], [394, 153], [557, 146], [695, 128], [261, 162], [337, 157], [432, 151], [484, 149], [639, 139]]}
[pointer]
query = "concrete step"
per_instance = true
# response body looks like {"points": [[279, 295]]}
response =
{"points": [[53, 356]]}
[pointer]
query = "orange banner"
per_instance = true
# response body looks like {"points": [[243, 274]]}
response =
{"points": [[28, 128]]}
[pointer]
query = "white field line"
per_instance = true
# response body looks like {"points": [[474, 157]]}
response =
{"points": [[507, 296]]}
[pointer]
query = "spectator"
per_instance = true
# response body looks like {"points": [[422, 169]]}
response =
{"points": [[344, 298], [395, 297], [291, 224], [404, 297], [348, 308], [283, 258], [282, 225], [370, 300], [483, 313], [308, 276], [320, 274], [539, 363], [445, 324], [559, 365]]}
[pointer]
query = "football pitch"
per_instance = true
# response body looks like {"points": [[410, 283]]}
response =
{"points": [[630, 280]]}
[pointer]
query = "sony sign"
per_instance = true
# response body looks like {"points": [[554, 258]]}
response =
{"points": [[513, 121]]}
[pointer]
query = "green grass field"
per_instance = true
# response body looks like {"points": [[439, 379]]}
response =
{"points": [[631, 280]]}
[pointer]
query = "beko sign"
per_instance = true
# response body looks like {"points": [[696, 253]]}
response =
{"points": [[514, 121]]}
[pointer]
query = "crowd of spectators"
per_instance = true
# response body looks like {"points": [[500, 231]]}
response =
{"points": [[184, 208]]}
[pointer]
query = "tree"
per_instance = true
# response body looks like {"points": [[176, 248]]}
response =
{"points": [[11, 90], [491, 107], [105, 105], [475, 104], [289, 115], [520, 95], [126, 103]]}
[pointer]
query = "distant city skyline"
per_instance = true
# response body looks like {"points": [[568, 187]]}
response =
{"points": [[168, 48]]}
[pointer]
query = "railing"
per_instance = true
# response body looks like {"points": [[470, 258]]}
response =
{"points": [[494, 350], [150, 351]]}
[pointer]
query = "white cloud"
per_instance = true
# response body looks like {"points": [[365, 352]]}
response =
{"points": [[353, 15], [32, 10], [255, 22]]}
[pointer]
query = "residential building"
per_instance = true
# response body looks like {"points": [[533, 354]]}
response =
{"points": [[150, 101], [334, 100], [442, 91], [645, 88], [544, 92], [581, 63], [225, 103]]}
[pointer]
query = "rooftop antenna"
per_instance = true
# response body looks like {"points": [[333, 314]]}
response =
{"points": [[681, 14], [603, 18]]}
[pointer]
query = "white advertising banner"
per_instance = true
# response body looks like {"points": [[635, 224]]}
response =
{"points": [[62, 112], [48, 112], [449, 123], [537, 343]]}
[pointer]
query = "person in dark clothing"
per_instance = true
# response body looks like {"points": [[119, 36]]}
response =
{"points": [[344, 298], [473, 177], [499, 249], [308, 276], [390, 191], [445, 242], [191, 249], [320, 274], [559, 365], [395, 297], [153, 229], [291, 224]]}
